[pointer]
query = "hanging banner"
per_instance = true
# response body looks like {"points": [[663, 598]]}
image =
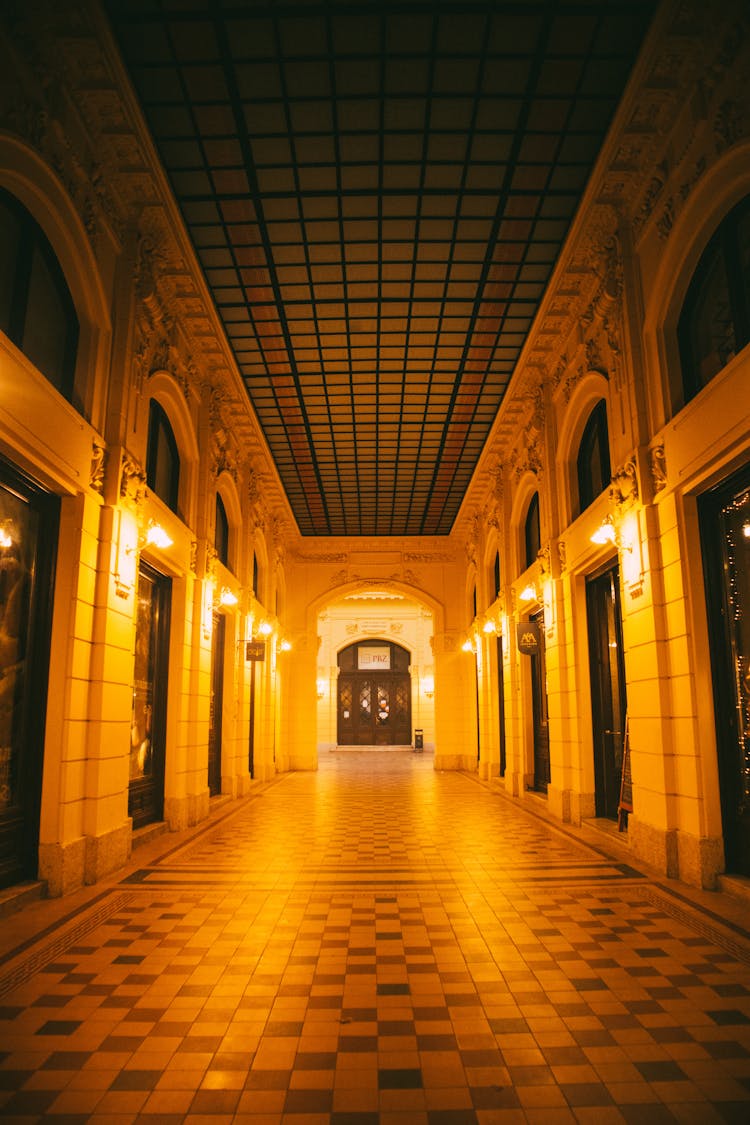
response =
{"points": [[528, 636], [255, 650]]}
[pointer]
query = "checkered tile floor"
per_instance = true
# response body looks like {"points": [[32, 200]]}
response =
{"points": [[376, 943]]}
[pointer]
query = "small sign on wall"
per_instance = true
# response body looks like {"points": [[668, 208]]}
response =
{"points": [[255, 650], [528, 636], [373, 658]]}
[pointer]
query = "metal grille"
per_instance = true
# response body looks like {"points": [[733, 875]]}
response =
{"points": [[378, 193]]}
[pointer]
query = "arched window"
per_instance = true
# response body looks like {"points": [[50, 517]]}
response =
{"points": [[594, 471], [256, 576], [162, 458], [36, 308], [531, 531], [715, 320], [496, 574], [221, 533]]}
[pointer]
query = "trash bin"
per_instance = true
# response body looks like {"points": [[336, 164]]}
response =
{"points": [[419, 739]]}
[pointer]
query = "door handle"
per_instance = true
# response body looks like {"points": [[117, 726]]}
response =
{"points": [[612, 732]]}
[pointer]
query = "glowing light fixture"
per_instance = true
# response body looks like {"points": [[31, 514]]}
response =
{"points": [[227, 597], [489, 627], [6, 539], [156, 536], [264, 629], [745, 529], [605, 532], [286, 646], [428, 686], [321, 686], [528, 594], [467, 646]]}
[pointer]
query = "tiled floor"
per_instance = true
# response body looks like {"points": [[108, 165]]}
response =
{"points": [[376, 943]]}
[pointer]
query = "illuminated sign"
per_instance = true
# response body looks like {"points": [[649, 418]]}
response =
{"points": [[528, 637], [372, 658]]}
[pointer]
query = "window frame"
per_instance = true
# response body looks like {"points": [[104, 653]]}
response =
{"points": [[222, 532], [532, 523], [722, 248], [595, 437], [32, 241], [160, 428]]}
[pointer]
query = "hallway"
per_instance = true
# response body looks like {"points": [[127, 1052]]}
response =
{"points": [[375, 942]]}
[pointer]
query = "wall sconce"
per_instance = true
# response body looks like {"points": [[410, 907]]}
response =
{"points": [[321, 688], [746, 529], [605, 532], [227, 597], [157, 536], [6, 539], [428, 686], [286, 646], [468, 645], [528, 594], [489, 627], [265, 629], [125, 555]]}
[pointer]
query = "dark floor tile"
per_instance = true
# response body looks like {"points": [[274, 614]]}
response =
{"points": [[136, 1080], [728, 1017], [358, 1043], [66, 1060], [406, 1079], [308, 1101], [451, 1117], [215, 1102], [14, 1079], [268, 1080], [726, 1049], [494, 1097], [315, 1060], [59, 1027], [580, 1094], [661, 1071], [28, 1103]]}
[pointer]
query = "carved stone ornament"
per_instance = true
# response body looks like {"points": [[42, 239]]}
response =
{"points": [[132, 479], [623, 489], [658, 464], [562, 554], [96, 472]]}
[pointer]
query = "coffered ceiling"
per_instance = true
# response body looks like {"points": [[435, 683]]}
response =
{"points": [[377, 193]]}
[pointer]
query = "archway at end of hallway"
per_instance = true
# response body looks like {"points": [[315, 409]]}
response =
{"points": [[375, 671], [374, 695]]}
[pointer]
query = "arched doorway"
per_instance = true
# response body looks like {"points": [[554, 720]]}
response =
{"points": [[374, 695]]}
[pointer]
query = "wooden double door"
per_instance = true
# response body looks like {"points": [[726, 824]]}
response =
{"points": [[374, 695]]}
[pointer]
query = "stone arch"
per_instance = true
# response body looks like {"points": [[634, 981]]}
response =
{"points": [[226, 488], [527, 486], [724, 185], [591, 389], [164, 389], [26, 176]]}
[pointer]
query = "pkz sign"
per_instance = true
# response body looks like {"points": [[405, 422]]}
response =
{"points": [[255, 650], [375, 658], [528, 636]]}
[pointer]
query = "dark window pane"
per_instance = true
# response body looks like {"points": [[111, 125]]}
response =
{"points": [[162, 460], [10, 240], [715, 319], [36, 309], [45, 336], [497, 574], [221, 536], [594, 471], [532, 531]]}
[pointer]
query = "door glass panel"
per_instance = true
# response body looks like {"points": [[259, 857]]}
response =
{"points": [[141, 727], [18, 538]]}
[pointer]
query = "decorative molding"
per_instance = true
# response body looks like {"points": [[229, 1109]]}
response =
{"points": [[658, 466], [623, 489], [132, 479], [98, 464]]}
